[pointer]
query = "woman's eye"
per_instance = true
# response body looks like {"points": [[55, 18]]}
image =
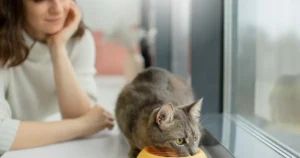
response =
{"points": [[180, 141], [37, 1]]}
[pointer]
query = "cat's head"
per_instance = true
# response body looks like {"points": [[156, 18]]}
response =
{"points": [[176, 128]]}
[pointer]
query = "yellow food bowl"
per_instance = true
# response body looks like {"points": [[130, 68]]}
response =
{"points": [[145, 153]]}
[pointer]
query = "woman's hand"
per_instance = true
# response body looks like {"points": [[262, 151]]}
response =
{"points": [[70, 27], [95, 120], [92, 122]]}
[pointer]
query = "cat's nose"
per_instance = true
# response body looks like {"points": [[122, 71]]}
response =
{"points": [[193, 151]]}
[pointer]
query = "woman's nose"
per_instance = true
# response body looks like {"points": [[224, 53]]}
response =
{"points": [[56, 7]]}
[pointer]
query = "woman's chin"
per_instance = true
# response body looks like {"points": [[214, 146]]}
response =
{"points": [[52, 31]]}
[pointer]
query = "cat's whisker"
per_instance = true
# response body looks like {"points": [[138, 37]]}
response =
{"points": [[204, 118]]}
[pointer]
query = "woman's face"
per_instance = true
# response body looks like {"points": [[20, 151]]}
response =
{"points": [[45, 17]]}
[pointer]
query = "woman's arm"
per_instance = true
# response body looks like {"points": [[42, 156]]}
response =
{"points": [[15, 134], [73, 100], [35, 134]]}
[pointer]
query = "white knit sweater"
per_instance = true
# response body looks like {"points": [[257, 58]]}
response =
{"points": [[28, 93]]}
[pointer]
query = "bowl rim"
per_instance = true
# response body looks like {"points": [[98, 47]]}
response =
{"points": [[145, 154]]}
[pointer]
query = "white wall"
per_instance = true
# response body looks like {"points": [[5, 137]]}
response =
{"points": [[107, 14]]}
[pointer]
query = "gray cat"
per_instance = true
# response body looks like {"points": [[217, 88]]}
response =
{"points": [[158, 110]]}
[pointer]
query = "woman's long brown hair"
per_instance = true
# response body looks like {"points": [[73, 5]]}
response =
{"points": [[13, 50]]}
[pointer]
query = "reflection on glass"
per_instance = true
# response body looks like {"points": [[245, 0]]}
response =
{"points": [[266, 67]]}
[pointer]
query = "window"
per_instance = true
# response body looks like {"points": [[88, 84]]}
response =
{"points": [[262, 68]]}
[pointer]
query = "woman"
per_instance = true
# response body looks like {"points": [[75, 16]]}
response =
{"points": [[47, 65]]}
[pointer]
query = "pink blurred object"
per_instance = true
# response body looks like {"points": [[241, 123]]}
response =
{"points": [[110, 57]]}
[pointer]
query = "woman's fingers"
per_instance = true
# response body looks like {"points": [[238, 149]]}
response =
{"points": [[110, 124], [109, 115], [76, 12], [73, 17]]}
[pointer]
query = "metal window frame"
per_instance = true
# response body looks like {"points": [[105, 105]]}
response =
{"points": [[163, 25], [207, 53]]}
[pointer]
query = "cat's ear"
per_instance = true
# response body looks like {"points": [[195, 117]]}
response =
{"points": [[194, 109], [165, 115]]}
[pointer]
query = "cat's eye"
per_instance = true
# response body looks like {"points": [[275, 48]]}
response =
{"points": [[180, 141], [196, 138]]}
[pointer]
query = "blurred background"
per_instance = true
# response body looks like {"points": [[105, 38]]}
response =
{"points": [[242, 56]]}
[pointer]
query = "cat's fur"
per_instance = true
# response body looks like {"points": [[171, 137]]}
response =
{"points": [[157, 108]]}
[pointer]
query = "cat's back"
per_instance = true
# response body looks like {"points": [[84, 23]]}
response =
{"points": [[153, 75], [146, 88], [154, 86]]}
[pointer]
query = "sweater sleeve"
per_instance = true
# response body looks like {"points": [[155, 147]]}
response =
{"points": [[83, 60], [8, 126]]}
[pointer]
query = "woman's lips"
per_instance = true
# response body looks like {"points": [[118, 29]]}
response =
{"points": [[54, 20]]}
